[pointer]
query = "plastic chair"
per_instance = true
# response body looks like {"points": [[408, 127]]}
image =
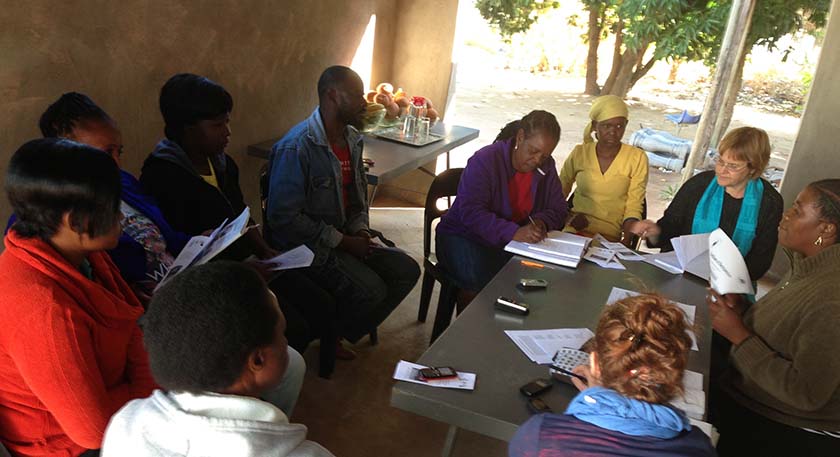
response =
{"points": [[444, 185], [682, 119], [328, 342]]}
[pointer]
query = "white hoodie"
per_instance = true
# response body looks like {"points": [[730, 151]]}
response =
{"points": [[175, 424]]}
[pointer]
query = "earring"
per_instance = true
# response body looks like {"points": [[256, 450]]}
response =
{"points": [[819, 241]]}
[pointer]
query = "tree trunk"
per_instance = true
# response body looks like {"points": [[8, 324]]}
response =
{"points": [[734, 39], [594, 37], [675, 67], [617, 58], [730, 100], [625, 74]]}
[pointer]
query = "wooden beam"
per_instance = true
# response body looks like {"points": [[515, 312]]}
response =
{"points": [[734, 40]]}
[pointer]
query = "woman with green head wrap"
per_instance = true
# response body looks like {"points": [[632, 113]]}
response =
{"points": [[611, 176]]}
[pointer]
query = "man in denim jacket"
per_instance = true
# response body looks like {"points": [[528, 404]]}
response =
{"points": [[318, 196]]}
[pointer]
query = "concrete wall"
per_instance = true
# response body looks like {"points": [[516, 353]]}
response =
{"points": [[816, 151], [267, 54]]}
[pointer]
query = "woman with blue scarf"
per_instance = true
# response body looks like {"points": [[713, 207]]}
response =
{"points": [[636, 368], [733, 197]]}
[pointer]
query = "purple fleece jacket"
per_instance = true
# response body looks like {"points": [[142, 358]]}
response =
{"points": [[482, 210]]}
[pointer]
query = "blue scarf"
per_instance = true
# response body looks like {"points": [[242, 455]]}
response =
{"points": [[707, 213], [609, 409]]}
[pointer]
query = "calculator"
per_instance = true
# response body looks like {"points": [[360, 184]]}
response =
{"points": [[564, 361]]}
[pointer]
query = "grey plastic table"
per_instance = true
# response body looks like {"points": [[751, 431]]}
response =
{"points": [[392, 159], [475, 342]]}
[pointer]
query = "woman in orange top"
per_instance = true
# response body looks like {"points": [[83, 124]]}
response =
{"points": [[71, 352]]}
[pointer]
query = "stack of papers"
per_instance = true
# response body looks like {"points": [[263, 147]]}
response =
{"points": [[200, 249], [618, 293], [559, 248], [690, 254], [541, 345], [410, 372]]}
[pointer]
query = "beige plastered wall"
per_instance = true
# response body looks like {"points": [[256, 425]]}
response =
{"points": [[816, 151], [268, 54]]}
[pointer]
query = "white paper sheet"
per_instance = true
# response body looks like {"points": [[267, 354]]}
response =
{"points": [[667, 261], [622, 251], [693, 401], [541, 345], [729, 274], [409, 372], [298, 257], [558, 248], [690, 311]]}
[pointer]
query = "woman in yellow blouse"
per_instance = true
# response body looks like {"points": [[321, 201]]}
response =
{"points": [[611, 176]]}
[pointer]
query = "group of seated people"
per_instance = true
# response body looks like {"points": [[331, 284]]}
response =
{"points": [[209, 364], [774, 390], [88, 245]]}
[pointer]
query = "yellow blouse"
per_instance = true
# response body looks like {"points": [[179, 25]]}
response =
{"points": [[211, 178], [607, 199]]}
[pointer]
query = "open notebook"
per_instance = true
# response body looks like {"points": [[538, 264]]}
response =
{"points": [[559, 248]]}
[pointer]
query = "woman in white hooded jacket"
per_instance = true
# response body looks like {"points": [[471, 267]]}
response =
{"points": [[215, 339]]}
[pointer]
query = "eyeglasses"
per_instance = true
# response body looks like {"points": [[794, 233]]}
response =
{"points": [[729, 165]]}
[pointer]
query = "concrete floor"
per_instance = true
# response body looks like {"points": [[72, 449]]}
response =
{"points": [[350, 414]]}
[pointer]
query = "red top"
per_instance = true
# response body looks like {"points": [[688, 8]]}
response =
{"points": [[521, 200], [71, 353], [343, 156]]}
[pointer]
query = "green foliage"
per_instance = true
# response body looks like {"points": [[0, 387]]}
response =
{"points": [[667, 194], [512, 16]]}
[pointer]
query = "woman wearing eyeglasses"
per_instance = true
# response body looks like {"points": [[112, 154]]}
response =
{"points": [[733, 197]]}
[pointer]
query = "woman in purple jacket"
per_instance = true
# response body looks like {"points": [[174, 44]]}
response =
{"points": [[508, 191]]}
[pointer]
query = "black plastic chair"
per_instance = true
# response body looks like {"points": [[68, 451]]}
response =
{"points": [[444, 185], [328, 341]]}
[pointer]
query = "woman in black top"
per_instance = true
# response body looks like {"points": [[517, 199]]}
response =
{"points": [[733, 197]]}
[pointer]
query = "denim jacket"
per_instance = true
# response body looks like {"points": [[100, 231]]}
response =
{"points": [[305, 204]]}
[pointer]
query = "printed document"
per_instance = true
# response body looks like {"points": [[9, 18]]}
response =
{"points": [[541, 345], [559, 248], [410, 372], [729, 274]]}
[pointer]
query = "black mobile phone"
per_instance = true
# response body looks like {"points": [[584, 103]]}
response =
{"points": [[511, 306], [535, 387], [532, 284], [437, 373], [538, 406]]}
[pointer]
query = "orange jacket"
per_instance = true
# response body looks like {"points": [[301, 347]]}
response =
{"points": [[71, 352]]}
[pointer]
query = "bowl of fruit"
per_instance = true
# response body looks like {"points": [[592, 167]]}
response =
{"points": [[373, 117]]}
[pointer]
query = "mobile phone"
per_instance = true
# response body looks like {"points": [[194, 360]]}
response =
{"points": [[537, 406], [535, 387], [532, 284], [437, 373], [511, 306]]}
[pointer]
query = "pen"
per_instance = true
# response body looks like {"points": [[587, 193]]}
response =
{"points": [[528, 263], [569, 373], [532, 220], [540, 170]]}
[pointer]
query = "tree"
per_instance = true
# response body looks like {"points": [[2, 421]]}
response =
{"points": [[512, 16], [647, 31]]}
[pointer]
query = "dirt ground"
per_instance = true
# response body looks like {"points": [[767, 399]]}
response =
{"points": [[488, 98]]}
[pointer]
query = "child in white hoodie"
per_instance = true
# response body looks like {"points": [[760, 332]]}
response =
{"points": [[214, 335]]}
